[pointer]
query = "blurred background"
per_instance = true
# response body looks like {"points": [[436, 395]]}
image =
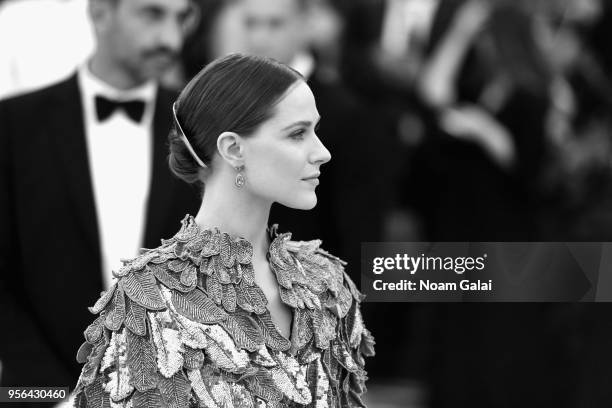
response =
{"points": [[447, 120]]}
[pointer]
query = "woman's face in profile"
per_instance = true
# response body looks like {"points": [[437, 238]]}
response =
{"points": [[283, 157]]}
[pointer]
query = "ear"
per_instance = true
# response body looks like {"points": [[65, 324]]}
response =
{"points": [[99, 12], [229, 146]]}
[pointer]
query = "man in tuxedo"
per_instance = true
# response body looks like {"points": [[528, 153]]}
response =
{"points": [[84, 182]]}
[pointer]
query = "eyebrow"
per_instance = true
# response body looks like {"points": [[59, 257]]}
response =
{"points": [[301, 123]]}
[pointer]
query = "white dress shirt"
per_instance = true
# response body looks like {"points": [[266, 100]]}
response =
{"points": [[120, 155]]}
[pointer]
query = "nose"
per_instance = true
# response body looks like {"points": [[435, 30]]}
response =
{"points": [[320, 154], [171, 34]]}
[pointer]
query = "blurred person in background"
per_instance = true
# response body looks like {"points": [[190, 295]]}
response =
{"points": [[482, 175], [220, 32], [538, 99], [580, 119], [579, 127], [84, 182], [326, 29], [480, 92], [384, 48], [386, 40], [486, 87]]}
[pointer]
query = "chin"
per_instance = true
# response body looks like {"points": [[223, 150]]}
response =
{"points": [[301, 203], [154, 73], [151, 70]]}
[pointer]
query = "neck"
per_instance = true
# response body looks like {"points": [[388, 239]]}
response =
{"points": [[104, 68], [236, 212]]}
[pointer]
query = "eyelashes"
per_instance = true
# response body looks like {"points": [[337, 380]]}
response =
{"points": [[299, 134]]}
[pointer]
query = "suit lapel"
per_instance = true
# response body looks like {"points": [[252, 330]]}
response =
{"points": [[66, 121], [160, 192], [67, 126]]}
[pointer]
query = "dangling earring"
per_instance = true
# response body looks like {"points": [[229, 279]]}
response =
{"points": [[240, 179]]}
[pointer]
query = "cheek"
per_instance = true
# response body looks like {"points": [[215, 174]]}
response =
{"points": [[124, 40], [276, 171], [277, 165]]}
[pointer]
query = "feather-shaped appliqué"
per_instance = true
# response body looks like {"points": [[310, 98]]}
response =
{"points": [[187, 324], [302, 330], [263, 386], [194, 359], [201, 389], [94, 331], [189, 276], [214, 287], [196, 306], [168, 278], [223, 352], [324, 327], [290, 378], [147, 399], [320, 385], [245, 331], [263, 357], [272, 337], [169, 347], [192, 333], [142, 362], [178, 265], [354, 326], [118, 385], [141, 287], [105, 297], [229, 298], [111, 352], [175, 390], [115, 310], [95, 395], [90, 369], [135, 317], [241, 397], [251, 298]]}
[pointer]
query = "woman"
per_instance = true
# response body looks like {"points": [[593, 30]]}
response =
{"points": [[216, 320], [485, 88]]}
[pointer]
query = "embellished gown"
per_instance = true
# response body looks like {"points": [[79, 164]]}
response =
{"points": [[186, 325]]}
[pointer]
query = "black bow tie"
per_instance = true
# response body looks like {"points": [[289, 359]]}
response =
{"points": [[105, 108]]}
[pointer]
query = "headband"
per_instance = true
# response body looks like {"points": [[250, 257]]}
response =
{"points": [[184, 138]]}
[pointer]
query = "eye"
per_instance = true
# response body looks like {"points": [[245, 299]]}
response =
{"points": [[298, 134], [189, 19], [152, 13]]}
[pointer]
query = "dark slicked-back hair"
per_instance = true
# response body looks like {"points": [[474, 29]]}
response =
{"points": [[236, 93]]}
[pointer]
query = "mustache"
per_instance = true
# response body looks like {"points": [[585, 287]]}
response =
{"points": [[161, 52]]}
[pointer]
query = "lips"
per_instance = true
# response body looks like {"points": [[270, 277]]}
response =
{"points": [[313, 177], [313, 180]]}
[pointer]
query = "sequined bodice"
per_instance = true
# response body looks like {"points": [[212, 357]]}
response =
{"points": [[187, 325]]}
